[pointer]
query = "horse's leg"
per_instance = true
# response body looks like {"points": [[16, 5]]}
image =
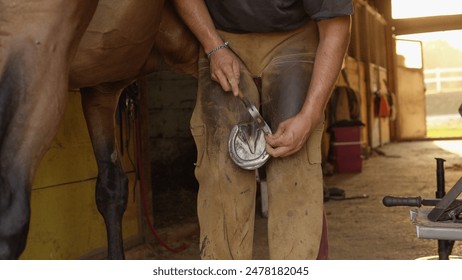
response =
{"points": [[37, 41], [112, 183]]}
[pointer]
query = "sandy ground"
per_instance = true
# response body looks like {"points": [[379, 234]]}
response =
{"points": [[359, 229]]}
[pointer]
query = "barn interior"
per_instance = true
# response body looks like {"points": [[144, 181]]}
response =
{"points": [[402, 113]]}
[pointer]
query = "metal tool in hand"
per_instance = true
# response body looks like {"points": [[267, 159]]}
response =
{"points": [[247, 144], [255, 114]]}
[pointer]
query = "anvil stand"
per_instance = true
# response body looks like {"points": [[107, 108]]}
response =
{"points": [[444, 246], [441, 223]]}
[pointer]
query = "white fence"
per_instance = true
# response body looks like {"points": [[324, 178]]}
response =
{"points": [[443, 79]]}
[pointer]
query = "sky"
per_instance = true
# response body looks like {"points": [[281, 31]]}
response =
{"points": [[421, 8], [453, 37], [411, 50]]}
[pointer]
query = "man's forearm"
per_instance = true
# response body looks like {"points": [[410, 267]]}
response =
{"points": [[197, 17], [334, 37]]}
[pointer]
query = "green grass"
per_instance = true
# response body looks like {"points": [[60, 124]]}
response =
{"points": [[444, 131]]}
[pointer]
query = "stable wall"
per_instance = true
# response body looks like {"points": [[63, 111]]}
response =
{"points": [[356, 78], [379, 127], [172, 97], [370, 47]]}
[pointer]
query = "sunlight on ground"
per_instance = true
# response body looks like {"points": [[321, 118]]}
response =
{"points": [[454, 147]]}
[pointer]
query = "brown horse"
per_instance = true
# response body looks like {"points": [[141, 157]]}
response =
{"points": [[49, 46]]}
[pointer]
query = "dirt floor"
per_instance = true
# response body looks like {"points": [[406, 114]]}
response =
{"points": [[359, 228]]}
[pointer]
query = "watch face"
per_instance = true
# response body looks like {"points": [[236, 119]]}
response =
{"points": [[247, 146]]}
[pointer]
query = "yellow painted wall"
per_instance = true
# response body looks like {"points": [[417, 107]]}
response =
{"points": [[65, 223]]}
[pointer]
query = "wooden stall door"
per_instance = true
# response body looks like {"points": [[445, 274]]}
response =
{"points": [[410, 99]]}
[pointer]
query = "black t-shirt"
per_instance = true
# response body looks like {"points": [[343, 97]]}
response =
{"points": [[273, 15]]}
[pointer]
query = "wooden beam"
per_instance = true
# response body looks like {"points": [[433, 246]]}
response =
{"points": [[383, 7], [426, 24]]}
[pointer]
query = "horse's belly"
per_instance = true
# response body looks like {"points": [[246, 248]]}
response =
{"points": [[117, 42]]}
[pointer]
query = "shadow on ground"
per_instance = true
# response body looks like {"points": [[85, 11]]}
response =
{"points": [[359, 229]]}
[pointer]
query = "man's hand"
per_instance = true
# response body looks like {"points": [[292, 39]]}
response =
{"points": [[224, 65], [224, 69], [290, 136]]}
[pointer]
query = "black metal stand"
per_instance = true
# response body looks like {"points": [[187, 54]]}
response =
{"points": [[444, 246], [446, 207]]}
